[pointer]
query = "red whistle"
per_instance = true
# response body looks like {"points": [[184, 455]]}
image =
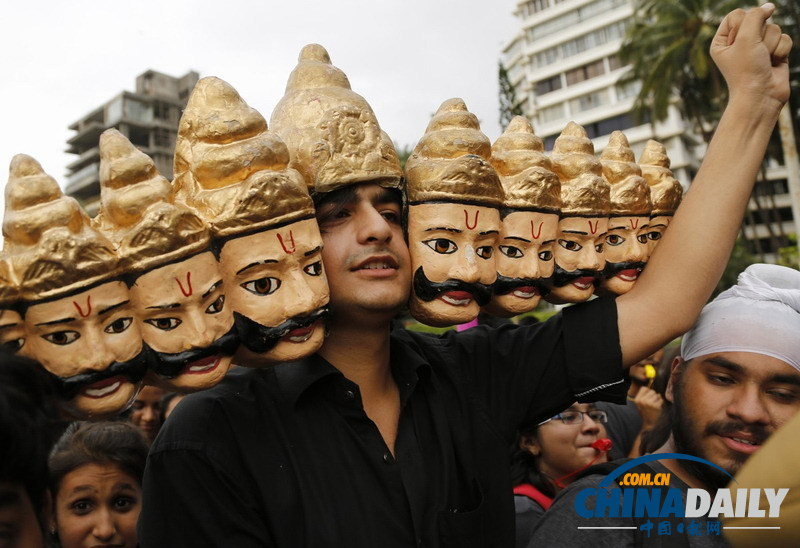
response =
{"points": [[602, 444]]}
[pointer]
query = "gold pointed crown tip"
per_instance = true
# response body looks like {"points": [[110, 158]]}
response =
{"points": [[654, 154], [575, 130], [114, 145], [314, 52], [23, 165], [455, 104], [519, 124]]}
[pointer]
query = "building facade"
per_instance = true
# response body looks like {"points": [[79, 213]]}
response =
{"points": [[564, 66], [148, 117]]}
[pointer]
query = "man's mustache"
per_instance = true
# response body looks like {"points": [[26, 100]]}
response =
{"points": [[427, 290], [505, 285], [170, 365], [731, 428], [612, 269], [133, 370], [563, 277], [260, 338]]}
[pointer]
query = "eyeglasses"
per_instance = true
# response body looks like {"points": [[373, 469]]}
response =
{"points": [[576, 417]]}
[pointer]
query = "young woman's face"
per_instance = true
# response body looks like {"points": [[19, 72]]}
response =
{"points": [[565, 448], [98, 505]]}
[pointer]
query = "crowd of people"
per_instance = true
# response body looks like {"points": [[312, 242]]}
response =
{"points": [[384, 436]]}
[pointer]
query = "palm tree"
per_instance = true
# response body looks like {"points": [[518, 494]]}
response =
{"points": [[667, 47]]}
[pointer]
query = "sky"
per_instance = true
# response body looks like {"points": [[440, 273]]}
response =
{"points": [[60, 60]]}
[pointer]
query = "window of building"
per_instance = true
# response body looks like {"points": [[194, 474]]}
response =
{"points": [[549, 114], [580, 44], [589, 101], [571, 18], [548, 84], [614, 62], [138, 111], [631, 89], [585, 72]]}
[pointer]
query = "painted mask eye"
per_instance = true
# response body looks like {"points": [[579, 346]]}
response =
{"points": [[441, 245], [14, 345], [546, 255], [314, 269], [484, 252], [641, 238], [511, 251], [262, 286], [569, 245], [118, 326], [217, 305], [598, 248], [654, 236], [614, 239], [62, 338], [164, 324]]}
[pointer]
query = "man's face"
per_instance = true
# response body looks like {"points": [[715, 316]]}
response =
{"points": [[275, 279], [12, 331], [146, 411], [657, 226], [726, 405], [524, 261], [366, 258], [181, 309], [579, 257], [86, 334], [626, 250], [451, 245]]}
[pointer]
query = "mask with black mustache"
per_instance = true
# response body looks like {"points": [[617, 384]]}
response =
{"points": [[427, 290], [505, 285], [260, 338], [170, 365], [132, 370], [563, 277], [612, 269]]}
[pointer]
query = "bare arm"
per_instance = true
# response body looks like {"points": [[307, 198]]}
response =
{"points": [[686, 265]]}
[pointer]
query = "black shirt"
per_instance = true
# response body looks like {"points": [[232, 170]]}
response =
{"points": [[286, 456]]}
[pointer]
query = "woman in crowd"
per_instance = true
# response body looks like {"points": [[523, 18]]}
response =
{"points": [[96, 484], [550, 456]]}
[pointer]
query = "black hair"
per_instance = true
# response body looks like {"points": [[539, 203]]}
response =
{"points": [[118, 443], [28, 425], [525, 465]]}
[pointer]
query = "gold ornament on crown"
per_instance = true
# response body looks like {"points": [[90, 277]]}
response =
{"points": [[584, 192], [331, 131], [451, 161], [666, 192], [525, 172], [630, 194], [138, 211], [231, 169], [54, 249]]}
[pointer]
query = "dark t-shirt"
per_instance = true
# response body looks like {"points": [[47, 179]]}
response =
{"points": [[559, 525], [286, 456]]}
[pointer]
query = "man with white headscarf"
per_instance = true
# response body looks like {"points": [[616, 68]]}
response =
{"points": [[736, 381]]}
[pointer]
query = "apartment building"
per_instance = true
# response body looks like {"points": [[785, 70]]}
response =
{"points": [[564, 66], [148, 117]]}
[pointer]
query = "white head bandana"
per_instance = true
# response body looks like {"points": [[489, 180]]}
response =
{"points": [[760, 314]]}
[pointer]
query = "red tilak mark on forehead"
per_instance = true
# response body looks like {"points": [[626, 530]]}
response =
{"points": [[291, 239], [667, 222], [466, 219], [634, 223], [186, 293], [534, 233], [88, 307], [593, 229]]}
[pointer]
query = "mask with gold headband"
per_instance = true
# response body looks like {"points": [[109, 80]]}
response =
{"points": [[175, 282], [331, 131], [529, 220], [78, 315], [235, 174], [626, 243], [666, 192], [454, 201], [585, 204], [12, 328]]}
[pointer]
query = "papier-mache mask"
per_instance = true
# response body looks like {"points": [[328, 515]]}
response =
{"points": [[585, 204], [666, 192], [454, 200], [78, 315], [331, 131], [12, 327], [524, 257], [626, 246], [236, 174], [176, 285]]}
